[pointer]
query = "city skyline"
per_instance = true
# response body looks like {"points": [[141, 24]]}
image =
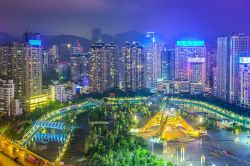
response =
{"points": [[133, 83], [165, 17]]}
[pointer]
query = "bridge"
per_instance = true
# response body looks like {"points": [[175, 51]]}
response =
{"points": [[53, 125], [60, 138], [53, 116], [27, 157], [245, 121], [12, 154]]}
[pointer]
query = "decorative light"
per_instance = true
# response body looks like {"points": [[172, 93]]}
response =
{"points": [[190, 43], [35, 42], [245, 60]]}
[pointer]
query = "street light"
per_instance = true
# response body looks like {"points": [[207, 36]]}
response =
{"points": [[203, 160]]}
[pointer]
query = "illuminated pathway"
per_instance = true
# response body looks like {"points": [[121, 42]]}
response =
{"points": [[91, 104], [245, 121]]}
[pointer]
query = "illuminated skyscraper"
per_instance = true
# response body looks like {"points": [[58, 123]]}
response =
{"points": [[29, 35], [102, 70], [189, 64], [79, 64], [153, 65], [229, 49], [244, 82], [5, 62], [35, 67], [210, 67], [132, 76], [223, 59], [168, 62], [54, 53], [24, 68], [196, 75], [239, 47]]}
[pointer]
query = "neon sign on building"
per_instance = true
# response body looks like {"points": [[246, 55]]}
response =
{"points": [[245, 60], [190, 43], [35, 42]]}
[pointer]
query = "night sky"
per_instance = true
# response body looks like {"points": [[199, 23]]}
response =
{"points": [[168, 17]]}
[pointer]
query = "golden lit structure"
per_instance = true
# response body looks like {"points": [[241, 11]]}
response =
{"points": [[168, 125], [12, 154], [37, 101]]}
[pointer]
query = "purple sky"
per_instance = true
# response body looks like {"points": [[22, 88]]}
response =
{"points": [[168, 17]]}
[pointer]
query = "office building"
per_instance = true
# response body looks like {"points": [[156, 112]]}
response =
{"points": [[189, 64]]}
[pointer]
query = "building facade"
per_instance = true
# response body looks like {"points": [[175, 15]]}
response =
{"points": [[244, 82], [153, 65], [102, 67], [132, 75], [229, 50], [190, 64], [9, 106]]}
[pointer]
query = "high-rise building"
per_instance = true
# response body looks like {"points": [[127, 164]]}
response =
{"points": [[65, 51], [35, 68], [153, 65], [168, 62], [8, 105], [102, 69], [189, 64], [5, 62], [196, 70], [223, 59], [54, 53], [76, 48], [20, 72], [29, 35], [96, 35], [79, 66], [25, 68], [239, 47], [210, 67], [229, 50], [132, 75], [244, 82]]}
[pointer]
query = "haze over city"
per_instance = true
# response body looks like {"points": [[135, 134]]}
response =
{"points": [[208, 18], [124, 83]]}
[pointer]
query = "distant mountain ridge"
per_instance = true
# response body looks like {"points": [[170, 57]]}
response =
{"points": [[7, 38], [119, 39]]}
